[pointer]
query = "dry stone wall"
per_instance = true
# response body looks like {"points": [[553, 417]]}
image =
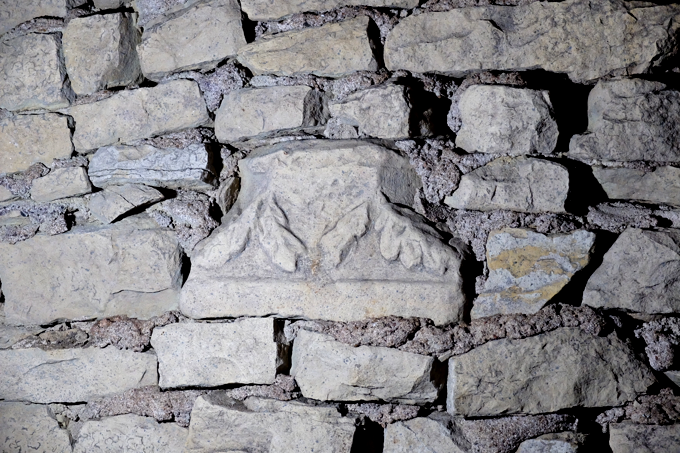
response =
{"points": [[339, 226]]}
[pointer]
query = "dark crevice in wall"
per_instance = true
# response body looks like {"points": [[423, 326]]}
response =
{"points": [[584, 189], [369, 437]]}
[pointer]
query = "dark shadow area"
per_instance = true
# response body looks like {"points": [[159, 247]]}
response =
{"points": [[375, 43], [584, 189], [186, 268], [248, 28], [369, 437], [428, 112], [597, 441], [284, 350]]}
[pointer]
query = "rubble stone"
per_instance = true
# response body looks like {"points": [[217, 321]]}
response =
{"points": [[633, 438], [114, 201], [61, 183], [28, 427], [127, 333], [263, 10], [662, 186], [16, 12], [662, 337]]}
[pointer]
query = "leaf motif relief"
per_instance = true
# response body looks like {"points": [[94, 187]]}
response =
{"points": [[337, 242], [233, 239], [282, 247]]}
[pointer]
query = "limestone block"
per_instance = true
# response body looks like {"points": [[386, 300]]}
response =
{"points": [[132, 267], [28, 427], [526, 269], [661, 186], [630, 120], [198, 38], [500, 119], [419, 435], [332, 50], [114, 201], [263, 10], [546, 373], [15, 12], [61, 183], [210, 355], [6, 194], [219, 423], [258, 111], [153, 12], [100, 52], [639, 273], [382, 112], [73, 375], [634, 438], [172, 168], [109, 4], [552, 443], [134, 114], [517, 184], [582, 39], [329, 370], [285, 249], [128, 433], [32, 73], [27, 139]]}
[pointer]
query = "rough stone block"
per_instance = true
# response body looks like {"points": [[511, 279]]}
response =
{"points": [[332, 50], [583, 39], [210, 355], [286, 249], [33, 73], [516, 184], [661, 186], [28, 427], [15, 12], [526, 269], [110, 4], [500, 119], [153, 12], [420, 435], [634, 438], [27, 139], [553, 443], [132, 267], [73, 375], [61, 183], [134, 114], [197, 38], [263, 10], [546, 373], [114, 201]]}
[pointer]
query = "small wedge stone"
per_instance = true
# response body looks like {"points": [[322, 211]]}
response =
{"points": [[61, 183], [420, 435], [114, 201]]}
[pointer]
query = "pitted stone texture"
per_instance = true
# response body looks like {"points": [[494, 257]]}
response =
{"points": [[516, 184], [197, 38], [131, 267], [32, 73], [332, 50], [328, 370], [661, 186], [210, 355], [61, 183], [526, 269], [72, 375], [127, 433], [141, 113], [27, 139], [500, 119], [27, 427], [583, 39], [629, 120], [114, 201], [258, 111], [553, 371], [220, 424], [15, 12], [264, 10], [285, 250], [634, 438], [420, 435], [639, 273]]}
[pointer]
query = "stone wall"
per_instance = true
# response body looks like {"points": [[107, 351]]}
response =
{"points": [[339, 226]]}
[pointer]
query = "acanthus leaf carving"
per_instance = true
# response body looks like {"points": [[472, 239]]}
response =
{"points": [[282, 246], [338, 241], [233, 240]]}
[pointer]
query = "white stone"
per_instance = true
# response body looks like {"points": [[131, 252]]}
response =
{"points": [[61, 183], [419, 435], [263, 10], [28, 427], [114, 201], [661, 186]]}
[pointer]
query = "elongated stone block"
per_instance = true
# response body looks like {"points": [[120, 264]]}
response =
{"points": [[28, 427], [661, 186], [15, 12], [419, 435], [61, 183], [262, 10], [312, 235]]}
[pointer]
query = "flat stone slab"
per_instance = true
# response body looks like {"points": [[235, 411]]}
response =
{"points": [[633, 438], [28, 427], [312, 235], [15, 12], [661, 186], [263, 10], [579, 38], [419, 435], [61, 183], [210, 355], [73, 375], [553, 443], [332, 50], [114, 201]]}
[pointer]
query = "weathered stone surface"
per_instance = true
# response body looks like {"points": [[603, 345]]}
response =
{"points": [[27, 427], [222, 424], [284, 249], [210, 355], [500, 119], [526, 269], [328, 370], [634, 438], [61, 183], [10, 335], [630, 120], [100, 52], [553, 443], [72, 375], [517, 184], [131, 267], [27, 139], [257, 111], [420, 435], [382, 112], [660, 186], [15, 12], [556, 370], [114, 201], [263, 10], [582, 39], [6, 194], [134, 114], [153, 12], [198, 38], [33, 73], [109, 4], [332, 50], [639, 273], [126, 433]]}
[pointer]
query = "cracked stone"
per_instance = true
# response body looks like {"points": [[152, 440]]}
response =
{"points": [[61, 183], [114, 201]]}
